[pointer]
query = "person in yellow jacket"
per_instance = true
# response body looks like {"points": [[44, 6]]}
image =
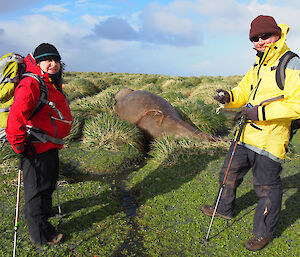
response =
{"points": [[269, 112]]}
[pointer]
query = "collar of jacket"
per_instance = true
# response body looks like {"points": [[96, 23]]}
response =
{"points": [[275, 50]]}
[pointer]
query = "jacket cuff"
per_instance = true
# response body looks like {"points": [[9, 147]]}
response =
{"points": [[261, 111], [231, 98]]}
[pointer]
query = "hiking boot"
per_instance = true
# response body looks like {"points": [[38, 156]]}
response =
{"points": [[256, 243], [209, 210], [56, 240]]}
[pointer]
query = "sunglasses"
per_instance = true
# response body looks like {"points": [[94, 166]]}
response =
{"points": [[263, 37]]}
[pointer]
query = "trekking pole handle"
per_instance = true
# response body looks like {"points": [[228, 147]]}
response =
{"points": [[242, 125]]}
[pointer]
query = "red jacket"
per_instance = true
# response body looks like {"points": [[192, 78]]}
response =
{"points": [[27, 94]]}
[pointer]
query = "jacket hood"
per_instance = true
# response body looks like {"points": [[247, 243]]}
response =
{"points": [[275, 50], [281, 42]]}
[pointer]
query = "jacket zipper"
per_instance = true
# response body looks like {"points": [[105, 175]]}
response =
{"points": [[260, 64], [256, 88], [54, 125]]}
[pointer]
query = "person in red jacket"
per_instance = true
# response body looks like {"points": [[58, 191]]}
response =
{"points": [[37, 138]]}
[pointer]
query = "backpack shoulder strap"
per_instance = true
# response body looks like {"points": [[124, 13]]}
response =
{"points": [[280, 71], [44, 94]]}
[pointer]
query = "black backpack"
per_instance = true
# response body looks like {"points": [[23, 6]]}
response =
{"points": [[280, 80]]}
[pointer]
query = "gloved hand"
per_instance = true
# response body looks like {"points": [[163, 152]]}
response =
{"points": [[22, 150], [222, 96], [22, 155], [251, 113]]}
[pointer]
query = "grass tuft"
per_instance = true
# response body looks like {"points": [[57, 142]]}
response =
{"points": [[107, 131]]}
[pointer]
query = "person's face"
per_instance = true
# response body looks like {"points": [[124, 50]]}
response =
{"points": [[49, 66], [261, 41]]}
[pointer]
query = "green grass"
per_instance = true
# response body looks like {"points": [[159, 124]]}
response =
{"points": [[104, 162], [170, 195]]}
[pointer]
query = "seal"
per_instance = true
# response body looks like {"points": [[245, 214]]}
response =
{"points": [[154, 115]]}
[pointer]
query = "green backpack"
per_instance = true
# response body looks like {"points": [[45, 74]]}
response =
{"points": [[12, 70]]}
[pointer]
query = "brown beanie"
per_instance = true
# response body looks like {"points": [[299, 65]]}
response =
{"points": [[264, 24]]}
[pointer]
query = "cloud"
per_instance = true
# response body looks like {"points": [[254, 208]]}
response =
{"points": [[24, 35], [53, 9], [81, 2], [93, 20], [157, 25], [166, 25], [10, 6], [115, 29]]}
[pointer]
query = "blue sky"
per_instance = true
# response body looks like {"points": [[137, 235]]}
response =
{"points": [[170, 37]]}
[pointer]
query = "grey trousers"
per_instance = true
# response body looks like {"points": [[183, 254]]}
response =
{"points": [[267, 185]]}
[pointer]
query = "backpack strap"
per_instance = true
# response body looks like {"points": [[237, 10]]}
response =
{"points": [[280, 71], [37, 135], [43, 93]]}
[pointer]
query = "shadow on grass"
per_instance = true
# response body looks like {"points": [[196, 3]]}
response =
{"points": [[102, 205], [287, 217], [171, 174], [109, 206]]}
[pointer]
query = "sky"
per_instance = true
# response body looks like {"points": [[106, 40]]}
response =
{"points": [[168, 37]]}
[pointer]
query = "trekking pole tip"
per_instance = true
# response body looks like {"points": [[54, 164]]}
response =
{"points": [[205, 241]]}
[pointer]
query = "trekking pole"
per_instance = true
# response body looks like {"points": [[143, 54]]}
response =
{"points": [[60, 215], [242, 124], [17, 213]]}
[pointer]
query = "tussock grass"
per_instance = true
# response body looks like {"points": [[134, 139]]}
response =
{"points": [[6, 152], [153, 88], [169, 151], [203, 115], [76, 129], [90, 106], [107, 131], [80, 88], [173, 97]]}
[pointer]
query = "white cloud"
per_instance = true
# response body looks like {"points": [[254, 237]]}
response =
{"points": [[81, 2], [93, 20], [167, 22], [35, 29], [53, 8]]}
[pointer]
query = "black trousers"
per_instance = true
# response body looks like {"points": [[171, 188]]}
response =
{"points": [[267, 185], [40, 175]]}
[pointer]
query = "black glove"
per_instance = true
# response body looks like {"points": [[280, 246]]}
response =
{"points": [[250, 113], [24, 152], [22, 155], [222, 96]]}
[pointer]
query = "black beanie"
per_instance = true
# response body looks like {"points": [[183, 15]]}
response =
{"points": [[264, 24], [45, 52]]}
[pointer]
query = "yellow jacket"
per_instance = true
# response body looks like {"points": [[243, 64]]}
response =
{"points": [[269, 135]]}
